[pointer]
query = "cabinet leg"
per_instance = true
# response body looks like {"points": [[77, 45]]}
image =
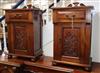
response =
{"points": [[14, 56], [89, 69], [33, 60], [9, 56], [54, 63]]}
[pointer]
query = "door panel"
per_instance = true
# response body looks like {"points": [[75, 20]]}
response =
{"points": [[69, 42]]}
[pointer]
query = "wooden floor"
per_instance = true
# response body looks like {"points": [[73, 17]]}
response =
{"points": [[95, 69], [47, 62], [95, 66]]}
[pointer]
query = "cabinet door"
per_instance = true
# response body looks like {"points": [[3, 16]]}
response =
{"points": [[69, 42], [20, 38]]}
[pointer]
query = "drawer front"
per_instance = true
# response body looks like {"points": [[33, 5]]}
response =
{"points": [[18, 16], [67, 16]]}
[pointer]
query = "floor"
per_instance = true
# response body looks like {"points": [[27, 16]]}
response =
{"points": [[95, 66], [95, 69], [47, 62]]}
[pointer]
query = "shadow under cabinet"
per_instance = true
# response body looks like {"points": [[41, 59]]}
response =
{"points": [[43, 65]]}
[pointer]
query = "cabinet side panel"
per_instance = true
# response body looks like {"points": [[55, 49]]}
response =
{"points": [[57, 42], [88, 43], [37, 32]]}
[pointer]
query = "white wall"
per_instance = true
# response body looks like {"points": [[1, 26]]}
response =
{"points": [[95, 48], [48, 39]]}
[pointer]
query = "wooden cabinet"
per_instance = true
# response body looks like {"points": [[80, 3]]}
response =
{"points": [[24, 32], [72, 35]]}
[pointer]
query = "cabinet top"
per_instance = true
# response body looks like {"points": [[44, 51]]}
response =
{"points": [[22, 9], [85, 7], [75, 5]]}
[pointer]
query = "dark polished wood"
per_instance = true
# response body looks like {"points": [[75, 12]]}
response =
{"points": [[43, 65], [24, 32], [72, 35]]}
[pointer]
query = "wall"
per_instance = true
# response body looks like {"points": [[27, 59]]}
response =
{"points": [[48, 33], [95, 48]]}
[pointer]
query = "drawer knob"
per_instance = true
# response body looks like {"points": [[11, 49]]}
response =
{"points": [[18, 15], [70, 16]]}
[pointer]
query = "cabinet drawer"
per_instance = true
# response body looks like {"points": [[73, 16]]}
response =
{"points": [[15, 16], [67, 16]]}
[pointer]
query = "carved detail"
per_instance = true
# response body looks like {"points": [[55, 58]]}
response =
{"points": [[20, 37], [70, 44], [75, 4], [29, 6]]}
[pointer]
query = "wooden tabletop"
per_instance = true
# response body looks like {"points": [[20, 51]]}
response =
{"points": [[44, 62]]}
